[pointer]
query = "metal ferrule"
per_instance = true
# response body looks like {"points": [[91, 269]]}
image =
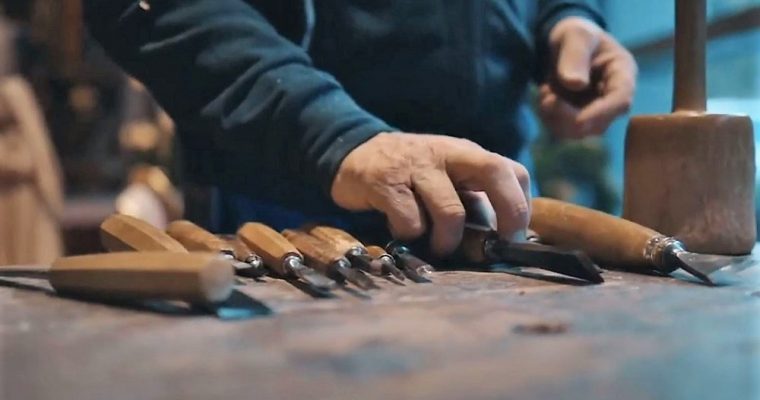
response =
{"points": [[658, 248], [489, 249], [356, 251], [292, 264]]}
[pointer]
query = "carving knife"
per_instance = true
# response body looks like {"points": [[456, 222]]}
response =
{"points": [[353, 249], [198, 278], [381, 256], [121, 232], [195, 238], [327, 259], [416, 268], [619, 243], [243, 253], [482, 244], [281, 256]]}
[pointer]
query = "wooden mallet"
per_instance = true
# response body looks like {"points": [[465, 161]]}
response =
{"points": [[691, 174]]}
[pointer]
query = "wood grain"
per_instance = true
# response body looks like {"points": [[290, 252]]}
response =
{"points": [[269, 244], [192, 277], [124, 233], [319, 255], [195, 238], [608, 240]]}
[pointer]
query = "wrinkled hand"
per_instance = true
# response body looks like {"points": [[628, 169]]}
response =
{"points": [[582, 50], [410, 177]]}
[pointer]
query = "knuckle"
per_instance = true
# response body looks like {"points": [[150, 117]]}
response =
{"points": [[520, 213], [451, 213], [521, 173], [494, 165]]}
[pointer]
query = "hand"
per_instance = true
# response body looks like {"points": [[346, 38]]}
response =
{"points": [[582, 51], [408, 176]]}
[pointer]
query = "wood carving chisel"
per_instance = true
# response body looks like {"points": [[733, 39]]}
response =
{"points": [[381, 256], [327, 259], [281, 256], [412, 265], [198, 278], [243, 253], [353, 249], [618, 243], [482, 244], [121, 232], [195, 238]]}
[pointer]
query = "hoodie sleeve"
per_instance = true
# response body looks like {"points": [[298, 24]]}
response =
{"points": [[550, 12], [220, 67]]}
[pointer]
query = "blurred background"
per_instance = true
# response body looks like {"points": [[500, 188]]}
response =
{"points": [[111, 147]]}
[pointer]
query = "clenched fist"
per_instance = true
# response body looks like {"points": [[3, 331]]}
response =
{"points": [[414, 177]]}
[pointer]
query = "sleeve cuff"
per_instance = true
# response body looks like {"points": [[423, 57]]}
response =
{"points": [[330, 161]]}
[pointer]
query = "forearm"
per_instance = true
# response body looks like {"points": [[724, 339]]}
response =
{"points": [[222, 68]]}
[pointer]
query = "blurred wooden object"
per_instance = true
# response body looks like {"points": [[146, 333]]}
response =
{"points": [[31, 196]]}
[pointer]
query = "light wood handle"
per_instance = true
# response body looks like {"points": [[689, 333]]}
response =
{"points": [[608, 240], [691, 34], [341, 239], [376, 251], [192, 277], [195, 238], [124, 233], [241, 250], [269, 244], [319, 255]]}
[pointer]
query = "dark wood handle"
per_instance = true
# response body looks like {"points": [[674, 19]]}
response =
{"points": [[191, 277], [341, 239], [269, 244], [691, 34], [195, 238], [473, 239], [607, 239], [124, 233], [319, 255]]}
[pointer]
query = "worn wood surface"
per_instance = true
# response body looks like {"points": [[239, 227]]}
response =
{"points": [[466, 335]]}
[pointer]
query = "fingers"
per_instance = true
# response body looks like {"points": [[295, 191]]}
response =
{"points": [[446, 211], [504, 181], [575, 48], [479, 209], [406, 218], [617, 91]]}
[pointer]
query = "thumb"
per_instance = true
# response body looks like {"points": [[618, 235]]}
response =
{"points": [[575, 50]]}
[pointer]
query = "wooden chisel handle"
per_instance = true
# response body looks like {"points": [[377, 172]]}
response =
{"points": [[195, 238], [192, 277], [319, 255], [607, 239], [241, 250], [273, 248], [124, 233], [377, 251], [342, 240]]}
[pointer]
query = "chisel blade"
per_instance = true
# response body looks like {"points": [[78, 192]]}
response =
{"points": [[355, 276], [528, 254], [702, 265]]}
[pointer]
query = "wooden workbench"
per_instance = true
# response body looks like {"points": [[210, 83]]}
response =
{"points": [[466, 335]]}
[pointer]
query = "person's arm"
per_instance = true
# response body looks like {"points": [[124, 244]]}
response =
{"points": [[587, 78], [220, 67]]}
